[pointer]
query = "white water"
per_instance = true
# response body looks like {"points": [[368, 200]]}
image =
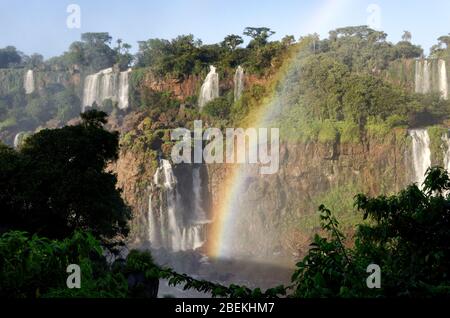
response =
{"points": [[168, 227], [421, 154], [418, 78], [422, 77], [238, 83], [123, 89], [199, 213], [106, 84], [210, 87], [28, 82], [18, 138], [443, 84], [424, 74]]}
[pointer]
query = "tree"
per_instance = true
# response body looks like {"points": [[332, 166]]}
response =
{"points": [[406, 37], [60, 183], [259, 35], [232, 41], [9, 56], [123, 55], [218, 108], [93, 51], [33, 61], [445, 39], [407, 237], [96, 38], [405, 49], [288, 40]]}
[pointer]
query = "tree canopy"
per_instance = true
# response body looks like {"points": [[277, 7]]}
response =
{"points": [[56, 183]]}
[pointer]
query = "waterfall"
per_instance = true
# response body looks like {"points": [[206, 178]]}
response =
{"points": [[427, 72], [422, 77], [18, 138], [123, 89], [421, 154], [90, 90], [418, 77], [106, 84], [426, 77], [210, 87], [28, 82], [173, 226], [238, 83], [443, 84], [199, 213]]}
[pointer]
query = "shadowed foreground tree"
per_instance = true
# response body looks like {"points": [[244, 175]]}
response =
{"points": [[56, 183], [407, 235]]}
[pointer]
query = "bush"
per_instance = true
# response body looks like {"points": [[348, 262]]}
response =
{"points": [[328, 132], [33, 267], [349, 132], [407, 237], [218, 108]]}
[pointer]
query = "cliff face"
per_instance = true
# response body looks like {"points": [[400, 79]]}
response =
{"points": [[420, 75], [278, 213], [13, 79], [182, 89]]}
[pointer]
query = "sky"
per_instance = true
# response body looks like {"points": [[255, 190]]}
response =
{"points": [[40, 26]]}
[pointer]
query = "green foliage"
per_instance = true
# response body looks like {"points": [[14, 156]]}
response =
{"points": [[406, 50], [185, 55], [20, 112], [250, 100], [259, 35], [407, 236], [59, 184], [365, 49], [33, 267], [232, 41], [179, 57], [349, 132], [136, 78], [328, 132], [326, 270], [437, 145], [218, 108], [158, 101], [9, 57]]}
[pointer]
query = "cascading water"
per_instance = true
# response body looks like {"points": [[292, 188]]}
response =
{"points": [[28, 82], [210, 87], [426, 77], [238, 83], [417, 77], [90, 90], [443, 84], [421, 154], [18, 138], [170, 225], [422, 77], [431, 76], [123, 89], [106, 84]]}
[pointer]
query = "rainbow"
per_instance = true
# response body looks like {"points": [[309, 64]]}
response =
{"points": [[221, 230]]}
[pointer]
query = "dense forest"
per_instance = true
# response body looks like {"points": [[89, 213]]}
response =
{"points": [[60, 203]]}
